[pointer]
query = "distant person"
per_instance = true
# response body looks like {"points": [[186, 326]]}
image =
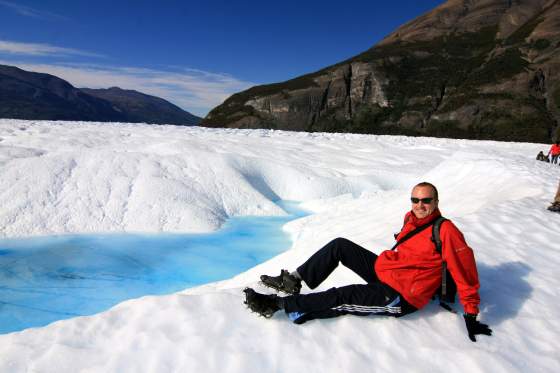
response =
{"points": [[554, 152], [398, 282], [542, 157], [555, 206]]}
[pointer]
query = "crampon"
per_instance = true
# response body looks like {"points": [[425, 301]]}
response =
{"points": [[264, 304]]}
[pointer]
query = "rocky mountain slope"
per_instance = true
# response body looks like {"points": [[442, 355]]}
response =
{"points": [[29, 95], [482, 69]]}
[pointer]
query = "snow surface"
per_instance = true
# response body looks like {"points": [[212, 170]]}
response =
{"points": [[69, 177]]}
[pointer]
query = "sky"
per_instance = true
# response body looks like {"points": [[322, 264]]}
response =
{"points": [[193, 53]]}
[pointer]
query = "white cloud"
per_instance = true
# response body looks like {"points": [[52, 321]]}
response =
{"points": [[193, 90], [28, 11], [34, 49]]}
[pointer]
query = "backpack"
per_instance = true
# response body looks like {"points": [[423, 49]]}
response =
{"points": [[447, 291]]}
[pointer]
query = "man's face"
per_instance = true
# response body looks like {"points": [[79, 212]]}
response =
{"points": [[422, 209]]}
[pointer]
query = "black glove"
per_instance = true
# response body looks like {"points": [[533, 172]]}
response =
{"points": [[474, 327]]}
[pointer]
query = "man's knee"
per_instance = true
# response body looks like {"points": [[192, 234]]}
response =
{"points": [[339, 246], [341, 242], [337, 240]]}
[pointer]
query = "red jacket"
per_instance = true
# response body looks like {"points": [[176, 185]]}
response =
{"points": [[554, 150], [414, 268]]}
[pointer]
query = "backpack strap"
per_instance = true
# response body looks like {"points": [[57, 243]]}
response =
{"points": [[412, 233], [437, 241], [435, 232], [436, 238]]}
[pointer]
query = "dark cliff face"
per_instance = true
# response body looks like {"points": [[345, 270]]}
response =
{"points": [[482, 69], [29, 95]]}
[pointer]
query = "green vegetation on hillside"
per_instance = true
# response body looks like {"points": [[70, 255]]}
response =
{"points": [[429, 69], [447, 77], [556, 97]]}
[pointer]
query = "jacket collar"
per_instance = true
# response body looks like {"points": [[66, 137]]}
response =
{"points": [[418, 222]]}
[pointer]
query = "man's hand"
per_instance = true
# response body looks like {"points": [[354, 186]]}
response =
{"points": [[474, 327]]}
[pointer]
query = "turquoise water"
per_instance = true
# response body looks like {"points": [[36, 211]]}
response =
{"points": [[44, 279]]}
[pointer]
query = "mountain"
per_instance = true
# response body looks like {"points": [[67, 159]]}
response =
{"points": [[30, 95], [139, 107], [479, 69]]}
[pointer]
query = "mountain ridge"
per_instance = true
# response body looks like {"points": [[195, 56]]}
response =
{"points": [[467, 69], [141, 107], [40, 96]]}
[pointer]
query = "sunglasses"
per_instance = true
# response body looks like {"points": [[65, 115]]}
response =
{"points": [[425, 201]]}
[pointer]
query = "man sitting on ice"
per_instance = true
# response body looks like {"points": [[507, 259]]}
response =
{"points": [[398, 282]]}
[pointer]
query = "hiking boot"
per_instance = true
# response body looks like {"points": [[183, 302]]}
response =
{"points": [[285, 282], [263, 304]]}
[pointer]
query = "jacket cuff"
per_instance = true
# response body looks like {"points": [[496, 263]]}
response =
{"points": [[471, 309]]}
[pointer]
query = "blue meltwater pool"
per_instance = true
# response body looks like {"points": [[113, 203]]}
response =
{"points": [[44, 279]]}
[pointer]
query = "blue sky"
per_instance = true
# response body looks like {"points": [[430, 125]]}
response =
{"points": [[192, 53]]}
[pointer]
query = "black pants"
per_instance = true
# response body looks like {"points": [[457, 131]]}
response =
{"points": [[374, 297]]}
